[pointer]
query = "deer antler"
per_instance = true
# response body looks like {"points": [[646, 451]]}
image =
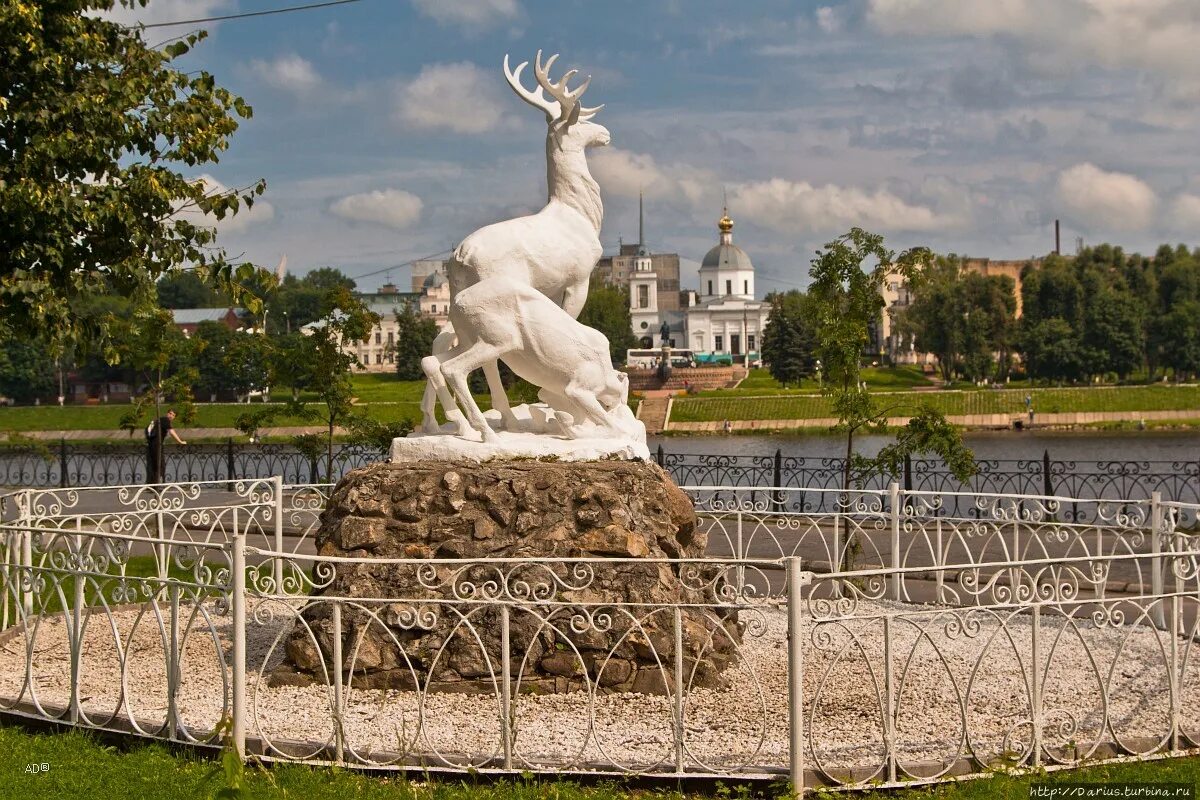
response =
{"points": [[564, 109]]}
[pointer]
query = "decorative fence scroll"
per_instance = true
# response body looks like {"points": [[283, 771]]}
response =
{"points": [[68, 464], [876, 637]]}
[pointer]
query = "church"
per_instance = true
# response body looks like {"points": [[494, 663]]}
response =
{"points": [[721, 321]]}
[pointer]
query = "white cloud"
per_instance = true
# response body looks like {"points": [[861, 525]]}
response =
{"points": [[829, 19], [289, 73], [623, 173], [260, 212], [1185, 212], [392, 208], [459, 97], [169, 11], [1104, 201], [799, 207], [474, 15], [1061, 35]]}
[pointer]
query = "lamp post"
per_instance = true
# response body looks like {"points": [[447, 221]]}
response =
{"points": [[287, 321], [820, 383]]}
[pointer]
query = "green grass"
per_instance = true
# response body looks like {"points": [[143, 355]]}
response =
{"points": [[383, 396], [882, 379], [82, 767], [718, 406], [51, 599]]}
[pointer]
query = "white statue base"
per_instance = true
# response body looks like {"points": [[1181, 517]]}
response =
{"points": [[536, 439]]}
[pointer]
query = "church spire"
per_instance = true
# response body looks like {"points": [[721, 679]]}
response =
{"points": [[725, 225], [641, 226]]}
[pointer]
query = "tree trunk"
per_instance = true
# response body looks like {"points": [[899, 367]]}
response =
{"points": [[329, 455]]}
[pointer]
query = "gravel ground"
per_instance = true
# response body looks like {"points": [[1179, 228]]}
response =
{"points": [[942, 712]]}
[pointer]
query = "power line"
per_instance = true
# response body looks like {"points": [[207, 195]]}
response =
{"points": [[251, 14], [401, 264]]}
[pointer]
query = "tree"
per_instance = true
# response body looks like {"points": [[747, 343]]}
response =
{"points": [[414, 341], [1052, 350], [326, 279], [789, 339], [210, 348], [934, 318], [1179, 331], [187, 290], [95, 125], [248, 363], [847, 298], [297, 301], [1114, 332], [160, 356], [607, 310], [28, 369], [965, 319], [344, 319], [291, 359]]}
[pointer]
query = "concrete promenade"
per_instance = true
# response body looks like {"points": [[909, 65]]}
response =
{"points": [[988, 421]]}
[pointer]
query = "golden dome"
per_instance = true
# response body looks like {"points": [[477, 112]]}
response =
{"points": [[725, 223]]}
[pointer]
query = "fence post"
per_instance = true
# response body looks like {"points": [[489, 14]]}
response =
{"points": [[62, 463], [506, 716], [1047, 487], [277, 567], [907, 472], [238, 732], [795, 639], [229, 465], [777, 505], [1156, 576], [895, 512], [338, 733], [660, 457], [677, 688], [1035, 685], [26, 571]]}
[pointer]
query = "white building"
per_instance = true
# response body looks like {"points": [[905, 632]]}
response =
{"points": [[435, 298], [725, 319]]}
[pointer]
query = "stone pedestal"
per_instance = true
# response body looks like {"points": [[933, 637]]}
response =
{"points": [[608, 623]]}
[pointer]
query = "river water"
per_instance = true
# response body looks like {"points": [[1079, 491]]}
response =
{"points": [[1030, 445]]}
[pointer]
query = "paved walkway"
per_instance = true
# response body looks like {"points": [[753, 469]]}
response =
{"points": [[995, 421]]}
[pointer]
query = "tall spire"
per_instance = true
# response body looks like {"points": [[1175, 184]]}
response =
{"points": [[641, 225]]}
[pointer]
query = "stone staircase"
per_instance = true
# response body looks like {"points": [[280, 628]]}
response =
{"points": [[653, 411]]}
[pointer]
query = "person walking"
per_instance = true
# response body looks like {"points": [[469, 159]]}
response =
{"points": [[154, 453]]}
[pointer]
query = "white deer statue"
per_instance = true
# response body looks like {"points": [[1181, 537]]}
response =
{"points": [[506, 319], [552, 251]]}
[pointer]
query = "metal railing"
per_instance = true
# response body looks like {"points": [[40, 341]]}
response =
{"points": [[67, 464], [888, 640]]}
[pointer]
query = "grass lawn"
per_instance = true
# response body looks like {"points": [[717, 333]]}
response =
{"points": [[81, 767], [384, 397], [717, 406], [883, 379]]}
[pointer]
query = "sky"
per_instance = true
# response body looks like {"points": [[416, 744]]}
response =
{"points": [[386, 132]]}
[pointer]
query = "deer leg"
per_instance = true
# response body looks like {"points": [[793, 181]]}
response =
{"points": [[455, 370], [441, 346], [432, 367], [574, 297], [587, 403], [499, 397]]}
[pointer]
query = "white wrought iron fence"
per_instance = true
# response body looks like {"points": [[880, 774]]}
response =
{"points": [[882, 643]]}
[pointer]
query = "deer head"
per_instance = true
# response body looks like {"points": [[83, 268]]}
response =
{"points": [[569, 123]]}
